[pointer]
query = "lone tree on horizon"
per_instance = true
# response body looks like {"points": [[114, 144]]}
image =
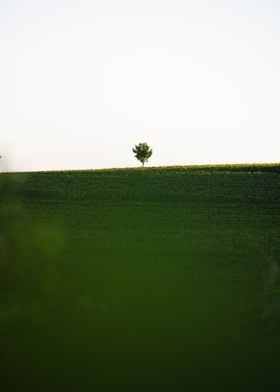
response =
{"points": [[142, 152]]}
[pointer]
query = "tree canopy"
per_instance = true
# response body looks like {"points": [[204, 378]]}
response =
{"points": [[142, 152]]}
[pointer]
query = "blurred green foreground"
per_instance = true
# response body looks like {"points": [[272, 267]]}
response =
{"points": [[126, 280]]}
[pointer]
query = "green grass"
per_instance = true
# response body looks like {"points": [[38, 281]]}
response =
{"points": [[131, 279]]}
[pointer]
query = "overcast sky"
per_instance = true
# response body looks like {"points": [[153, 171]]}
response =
{"points": [[82, 81]]}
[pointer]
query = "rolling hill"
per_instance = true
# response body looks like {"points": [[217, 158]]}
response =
{"points": [[131, 279]]}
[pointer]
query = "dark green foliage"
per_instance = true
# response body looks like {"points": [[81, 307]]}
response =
{"points": [[142, 152], [28, 248], [168, 279]]}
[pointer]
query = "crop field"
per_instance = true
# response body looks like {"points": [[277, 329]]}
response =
{"points": [[131, 279]]}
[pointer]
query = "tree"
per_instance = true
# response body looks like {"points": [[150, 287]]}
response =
{"points": [[142, 152]]}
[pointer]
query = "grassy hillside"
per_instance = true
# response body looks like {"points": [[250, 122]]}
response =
{"points": [[131, 279]]}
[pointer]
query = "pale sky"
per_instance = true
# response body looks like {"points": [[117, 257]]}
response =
{"points": [[83, 81]]}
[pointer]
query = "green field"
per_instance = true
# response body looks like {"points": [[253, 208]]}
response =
{"points": [[130, 279]]}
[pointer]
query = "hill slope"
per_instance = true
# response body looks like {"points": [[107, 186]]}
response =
{"points": [[147, 277]]}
